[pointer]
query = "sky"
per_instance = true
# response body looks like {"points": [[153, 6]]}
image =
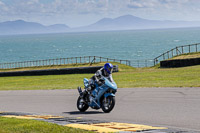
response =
{"points": [[76, 13]]}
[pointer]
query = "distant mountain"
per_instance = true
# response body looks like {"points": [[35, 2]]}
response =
{"points": [[129, 22], [58, 28], [23, 27], [126, 22]]}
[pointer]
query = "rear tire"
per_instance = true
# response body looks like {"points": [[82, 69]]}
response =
{"points": [[108, 104], [81, 105]]}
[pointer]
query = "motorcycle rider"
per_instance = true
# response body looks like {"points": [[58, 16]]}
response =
{"points": [[105, 71]]}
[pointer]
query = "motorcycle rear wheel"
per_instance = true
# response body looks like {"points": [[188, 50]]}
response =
{"points": [[81, 105], [108, 104]]}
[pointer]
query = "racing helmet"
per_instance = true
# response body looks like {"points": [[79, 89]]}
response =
{"points": [[108, 67]]}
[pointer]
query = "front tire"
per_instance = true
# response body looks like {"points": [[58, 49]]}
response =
{"points": [[108, 104], [81, 105]]}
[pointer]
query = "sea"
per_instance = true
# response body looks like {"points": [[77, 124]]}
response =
{"points": [[128, 45]]}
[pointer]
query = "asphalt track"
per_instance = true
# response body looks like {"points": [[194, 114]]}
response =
{"points": [[168, 107]]}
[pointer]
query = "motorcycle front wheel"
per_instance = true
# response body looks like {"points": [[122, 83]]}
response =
{"points": [[81, 105], [108, 104]]}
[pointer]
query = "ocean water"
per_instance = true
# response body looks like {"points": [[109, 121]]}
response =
{"points": [[130, 45]]}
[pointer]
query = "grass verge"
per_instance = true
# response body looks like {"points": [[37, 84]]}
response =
{"points": [[128, 77], [53, 67], [13, 125], [187, 56]]}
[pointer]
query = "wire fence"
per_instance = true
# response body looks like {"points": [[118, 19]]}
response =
{"points": [[96, 59], [61, 61], [185, 49], [142, 63]]}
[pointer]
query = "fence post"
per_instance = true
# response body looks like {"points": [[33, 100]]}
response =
{"points": [[168, 54], [196, 48], [64, 60], [189, 48], [72, 60], [182, 50]]}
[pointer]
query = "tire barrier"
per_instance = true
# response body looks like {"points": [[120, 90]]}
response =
{"points": [[180, 62], [77, 70]]}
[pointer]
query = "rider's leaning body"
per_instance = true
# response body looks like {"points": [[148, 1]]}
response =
{"points": [[104, 72]]}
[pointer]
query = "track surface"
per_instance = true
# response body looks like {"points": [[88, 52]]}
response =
{"points": [[168, 107]]}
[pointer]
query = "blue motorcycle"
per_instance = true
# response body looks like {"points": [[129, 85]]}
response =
{"points": [[102, 96]]}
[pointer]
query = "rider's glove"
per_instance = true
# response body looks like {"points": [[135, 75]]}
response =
{"points": [[102, 81]]}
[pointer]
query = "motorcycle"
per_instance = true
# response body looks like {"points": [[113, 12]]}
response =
{"points": [[102, 96]]}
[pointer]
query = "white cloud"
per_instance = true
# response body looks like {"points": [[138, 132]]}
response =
{"points": [[82, 12], [3, 8], [1, 3]]}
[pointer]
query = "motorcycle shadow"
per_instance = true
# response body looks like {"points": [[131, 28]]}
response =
{"points": [[86, 113]]}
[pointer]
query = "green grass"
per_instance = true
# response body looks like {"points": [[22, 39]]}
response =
{"points": [[187, 56], [128, 77], [53, 67], [159, 77], [13, 125]]}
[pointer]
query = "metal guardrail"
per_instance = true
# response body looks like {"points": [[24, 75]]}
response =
{"points": [[177, 51], [61, 61]]}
